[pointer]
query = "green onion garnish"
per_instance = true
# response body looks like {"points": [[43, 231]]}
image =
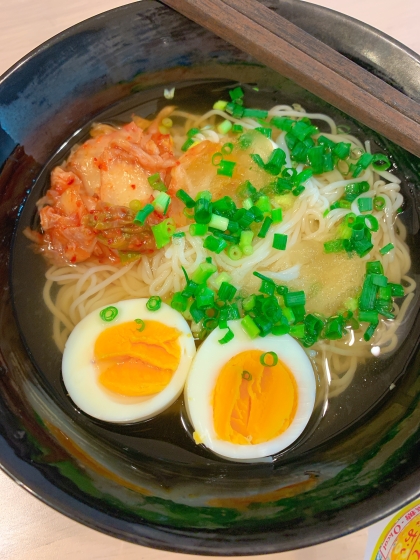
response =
{"points": [[178, 235], [265, 227], [269, 359], [250, 327], [156, 183], [227, 148], [141, 216], [154, 303], [236, 93], [198, 229], [214, 244], [141, 324], [246, 375], [279, 241], [255, 113], [380, 162], [163, 232], [379, 203], [218, 222], [108, 314], [237, 128], [224, 127], [179, 302], [220, 105], [235, 252], [161, 203], [226, 168], [203, 272], [227, 338], [386, 249], [365, 204], [202, 211], [185, 198], [187, 144], [277, 215], [226, 291]]}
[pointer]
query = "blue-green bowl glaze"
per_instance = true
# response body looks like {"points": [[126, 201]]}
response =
{"points": [[153, 495]]}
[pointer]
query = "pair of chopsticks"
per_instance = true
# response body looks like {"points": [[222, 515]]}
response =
{"points": [[284, 47]]}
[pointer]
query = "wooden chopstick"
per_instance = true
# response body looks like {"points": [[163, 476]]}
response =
{"points": [[307, 61]]}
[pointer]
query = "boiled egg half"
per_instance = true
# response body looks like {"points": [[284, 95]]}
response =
{"points": [[125, 363], [249, 399]]}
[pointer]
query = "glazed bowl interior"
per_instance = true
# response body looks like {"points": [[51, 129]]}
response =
{"points": [[147, 482]]}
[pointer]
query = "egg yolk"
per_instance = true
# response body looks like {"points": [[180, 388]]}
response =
{"points": [[253, 403], [135, 362]]}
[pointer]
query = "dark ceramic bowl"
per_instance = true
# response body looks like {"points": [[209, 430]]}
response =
{"points": [[147, 483]]}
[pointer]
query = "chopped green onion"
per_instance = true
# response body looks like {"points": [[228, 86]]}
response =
{"points": [[187, 144], [226, 291], [234, 252], [154, 303], [223, 277], [297, 331], [368, 295], [334, 246], [342, 150], [214, 244], [156, 183], [255, 113], [386, 249], [237, 128], [185, 198], [246, 375], [226, 168], [264, 130], [163, 232], [277, 215], [380, 162], [198, 229], [369, 332], [283, 123], [279, 241], [369, 316], [161, 203], [179, 302], [227, 148], [263, 203], [292, 299], [224, 127], [269, 359], [217, 158], [108, 314], [334, 328], [265, 227], [203, 211], [378, 203], [141, 323], [220, 105], [142, 215], [249, 326], [204, 297], [203, 272], [380, 280], [397, 290], [236, 93], [218, 222], [365, 204], [203, 194], [227, 338]]}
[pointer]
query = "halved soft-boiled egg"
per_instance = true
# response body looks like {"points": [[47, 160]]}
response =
{"points": [[125, 363], [249, 399]]}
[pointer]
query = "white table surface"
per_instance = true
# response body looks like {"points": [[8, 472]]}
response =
{"points": [[30, 530]]}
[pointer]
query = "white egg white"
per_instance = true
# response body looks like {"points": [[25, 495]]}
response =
{"points": [[207, 364], [80, 375]]}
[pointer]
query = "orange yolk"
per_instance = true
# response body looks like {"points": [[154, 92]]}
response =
{"points": [[253, 407], [135, 362]]}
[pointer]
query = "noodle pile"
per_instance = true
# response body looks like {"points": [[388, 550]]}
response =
{"points": [[71, 292]]}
